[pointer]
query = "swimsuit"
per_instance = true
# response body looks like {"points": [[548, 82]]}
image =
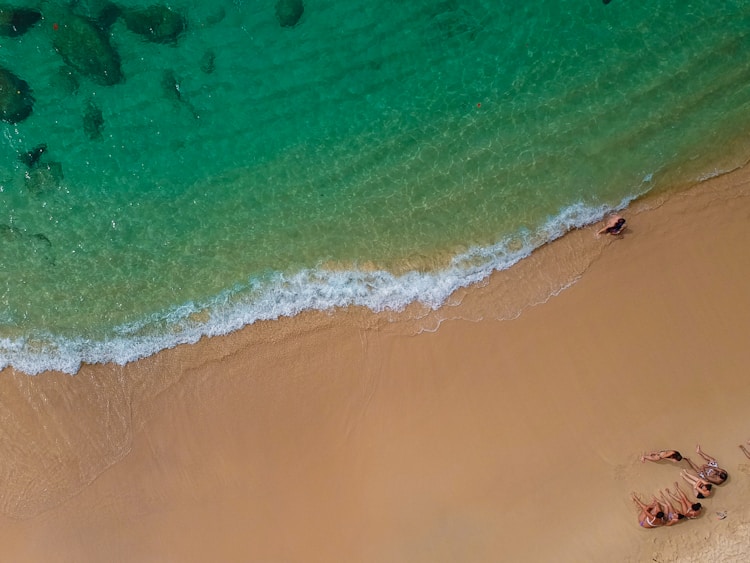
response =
{"points": [[709, 470], [650, 523]]}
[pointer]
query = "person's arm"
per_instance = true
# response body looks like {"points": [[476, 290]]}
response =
{"points": [[638, 502], [670, 514], [648, 508], [666, 506], [682, 499]]}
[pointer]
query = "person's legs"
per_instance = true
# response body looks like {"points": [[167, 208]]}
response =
{"points": [[638, 502], [684, 504], [672, 495], [680, 497], [665, 506], [692, 479], [744, 451], [705, 456], [647, 508]]}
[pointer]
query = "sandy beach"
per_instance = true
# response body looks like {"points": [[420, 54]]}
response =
{"points": [[351, 437]]}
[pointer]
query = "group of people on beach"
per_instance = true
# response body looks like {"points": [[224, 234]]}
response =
{"points": [[661, 511]]}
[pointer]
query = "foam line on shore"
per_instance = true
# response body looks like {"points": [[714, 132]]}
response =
{"points": [[285, 295]]}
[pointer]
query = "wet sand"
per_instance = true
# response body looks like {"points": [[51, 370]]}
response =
{"points": [[343, 437]]}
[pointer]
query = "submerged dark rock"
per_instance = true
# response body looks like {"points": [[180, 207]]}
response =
{"points": [[9, 233], [30, 158], [84, 46], [208, 62], [44, 177], [41, 176], [93, 121], [158, 24], [41, 247], [289, 12], [42, 238], [16, 101], [38, 245], [108, 15], [171, 87], [65, 80], [17, 21], [218, 14]]}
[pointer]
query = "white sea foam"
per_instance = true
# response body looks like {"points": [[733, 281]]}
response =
{"points": [[279, 295]]}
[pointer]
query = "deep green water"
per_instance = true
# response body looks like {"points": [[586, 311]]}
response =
{"points": [[376, 153]]}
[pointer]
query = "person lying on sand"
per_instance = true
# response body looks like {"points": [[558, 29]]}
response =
{"points": [[744, 450], [651, 515], [690, 511], [701, 487], [670, 455], [710, 471], [671, 515], [614, 226]]}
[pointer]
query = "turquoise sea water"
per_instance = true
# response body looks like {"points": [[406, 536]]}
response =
{"points": [[376, 153]]}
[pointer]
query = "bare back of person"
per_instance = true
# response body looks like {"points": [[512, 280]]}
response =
{"points": [[669, 455]]}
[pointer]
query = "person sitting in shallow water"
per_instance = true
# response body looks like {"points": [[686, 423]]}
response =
{"points": [[710, 471], [651, 515], [701, 487], [670, 455], [614, 226], [690, 511]]}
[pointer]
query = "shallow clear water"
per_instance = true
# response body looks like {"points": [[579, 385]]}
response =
{"points": [[375, 153]]}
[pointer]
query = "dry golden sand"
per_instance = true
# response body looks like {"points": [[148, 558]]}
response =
{"points": [[345, 438]]}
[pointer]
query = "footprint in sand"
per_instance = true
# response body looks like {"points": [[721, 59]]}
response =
{"points": [[744, 468]]}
